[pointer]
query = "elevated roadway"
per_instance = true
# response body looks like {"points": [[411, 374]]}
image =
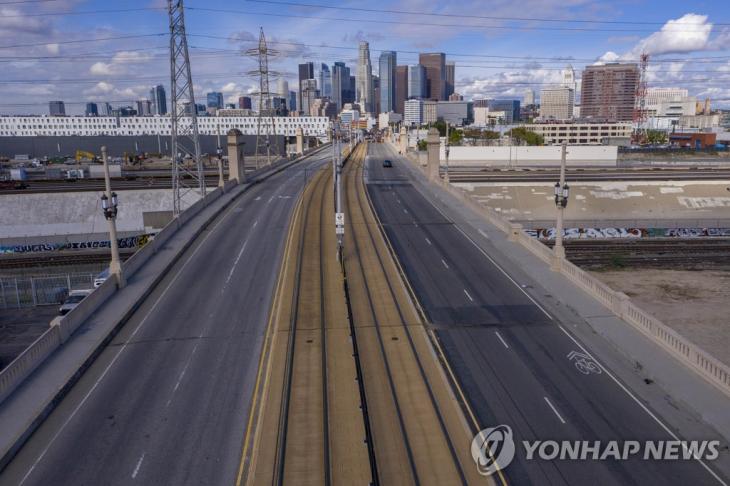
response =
{"points": [[513, 360], [167, 401]]}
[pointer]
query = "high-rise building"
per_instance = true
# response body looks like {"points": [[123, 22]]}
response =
{"points": [[309, 94], [340, 84], [655, 96], [292, 101], [376, 95], [244, 103], [608, 92], [569, 77], [435, 66], [386, 71], [365, 94], [215, 100], [529, 97], [417, 81], [144, 107], [306, 71], [159, 100], [511, 109], [401, 88], [325, 81], [282, 88], [57, 108], [413, 112], [430, 111], [92, 109], [557, 103], [450, 78], [456, 97]]}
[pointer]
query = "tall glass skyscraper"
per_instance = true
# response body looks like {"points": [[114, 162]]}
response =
{"points": [[365, 78], [159, 100], [387, 64], [215, 100], [416, 81], [325, 81]]}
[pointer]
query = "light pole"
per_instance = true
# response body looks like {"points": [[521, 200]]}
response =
{"points": [[109, 205], [446, 176], [219, 154], [562, 192]]}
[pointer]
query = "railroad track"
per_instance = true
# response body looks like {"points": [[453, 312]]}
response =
{"points": [[41, 186], [607, 174], [62, 258]]}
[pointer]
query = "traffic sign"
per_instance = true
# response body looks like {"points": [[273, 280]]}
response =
{"points": [[340, 219]]}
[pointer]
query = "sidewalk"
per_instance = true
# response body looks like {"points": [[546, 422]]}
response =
{"points": [[28, 406], [681, 397]]}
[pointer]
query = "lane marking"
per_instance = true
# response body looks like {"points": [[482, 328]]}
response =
{"points": [[467, 294], [501, 339], [638, 402], [235, 263], [445, 264], [428, 241], [483, 233], [554, 409], [405, 211], [139, 464], [255, 223]]}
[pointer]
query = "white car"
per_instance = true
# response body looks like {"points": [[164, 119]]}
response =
{"points": [[74, 298]]}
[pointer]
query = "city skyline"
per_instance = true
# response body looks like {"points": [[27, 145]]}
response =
{"points": [[56, 66]]}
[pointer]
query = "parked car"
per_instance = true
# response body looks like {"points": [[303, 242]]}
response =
{"points": [[74, 299], [387, 163], [101, 278]]}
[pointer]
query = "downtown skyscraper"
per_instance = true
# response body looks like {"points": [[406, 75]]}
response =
{"points": [[435, 65], [325, 81], [387, 64], [159, 100], [365, 95]]}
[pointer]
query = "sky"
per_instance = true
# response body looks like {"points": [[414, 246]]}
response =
{"points": [[79, 51]]}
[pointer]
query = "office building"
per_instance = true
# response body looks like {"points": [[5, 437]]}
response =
{"points": [[417, 81], [557, 103], [481, 103], [325, 81], [528, 98], [456, 113], [581, 133], [430, 111], [340, 84], [57, 108], [435, 66], [511, 109], [455, 97], [306, 71], [450, 78], [413, 112], [282, 88], [92, 109], [293, 102], [655, 96], [215, 100], [401, 88], [365, 93], [376, 95], [309, 94], [386, 71], [608, 92], [144, 107], [159, 100], [244, 103]]}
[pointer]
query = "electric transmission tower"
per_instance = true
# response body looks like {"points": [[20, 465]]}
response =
{"points": [[187, 165], [265, 124]]}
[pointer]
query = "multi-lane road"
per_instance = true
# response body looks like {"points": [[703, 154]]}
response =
{"points": [[167, 401], [510, 356]]}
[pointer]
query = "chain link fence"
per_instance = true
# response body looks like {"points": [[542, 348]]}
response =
{"points": [[17, 292]]}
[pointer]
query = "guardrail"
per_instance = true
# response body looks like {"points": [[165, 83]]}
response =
{"points": [[704, 364], [62, 328]]}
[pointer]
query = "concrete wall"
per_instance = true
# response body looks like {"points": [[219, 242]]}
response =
{"points": [[518, 156]]}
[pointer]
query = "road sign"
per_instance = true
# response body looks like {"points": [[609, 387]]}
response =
{"points": [[340, 219]]}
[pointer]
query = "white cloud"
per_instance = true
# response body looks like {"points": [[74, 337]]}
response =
{"points": [[689, 33], [53, 48], [102, 69], [100, 88]]}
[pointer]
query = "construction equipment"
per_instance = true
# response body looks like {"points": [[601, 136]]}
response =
{"points": [[84, 155]]}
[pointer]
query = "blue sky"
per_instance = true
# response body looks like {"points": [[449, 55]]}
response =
{"points": [[689, 44]]}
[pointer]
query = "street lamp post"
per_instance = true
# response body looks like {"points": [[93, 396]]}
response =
{"points": [[446, 176], [562, 192], [219, 154], [109, 205]]}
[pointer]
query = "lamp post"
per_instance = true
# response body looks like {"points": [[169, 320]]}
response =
{"points": [[109, 204], [446, 176], [562, 192], [219, 154]]}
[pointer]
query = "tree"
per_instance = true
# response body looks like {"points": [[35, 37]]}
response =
{"points": [[523, 135], [422, 145], [455, 137], [440, 125], [656, 137]]}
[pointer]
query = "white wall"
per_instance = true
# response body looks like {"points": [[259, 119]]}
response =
{"points": [[516, 156]]}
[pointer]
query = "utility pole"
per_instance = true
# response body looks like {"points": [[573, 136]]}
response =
{"points": [[562, 192], [109, 208], [183, 112], [339, 215], [446, 177], [265, 122]]}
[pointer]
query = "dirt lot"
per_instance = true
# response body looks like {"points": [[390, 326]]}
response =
{"points": [[694, 303]]}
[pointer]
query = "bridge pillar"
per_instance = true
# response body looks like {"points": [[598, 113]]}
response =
{"points": [[403, 139], [300, 141], [433, 143], [236, 156]]}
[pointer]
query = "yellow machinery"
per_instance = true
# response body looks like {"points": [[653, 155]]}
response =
{"points": [[81, 154]]}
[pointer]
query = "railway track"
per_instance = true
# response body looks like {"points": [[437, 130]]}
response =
{"points": [[588, 174], [41, 186], [61, 258]]}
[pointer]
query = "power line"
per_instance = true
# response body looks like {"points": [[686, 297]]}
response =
{"points": [[83, 12], [79, 41]]}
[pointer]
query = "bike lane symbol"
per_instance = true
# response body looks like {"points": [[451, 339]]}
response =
{"points": [[584, 363]]}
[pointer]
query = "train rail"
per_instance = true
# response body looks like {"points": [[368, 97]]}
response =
{"points": [[464, 174]]}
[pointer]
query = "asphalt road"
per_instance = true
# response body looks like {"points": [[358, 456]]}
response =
{"points": [[167, 401], [510, 357]]}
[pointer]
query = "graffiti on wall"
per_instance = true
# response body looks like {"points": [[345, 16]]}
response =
{"points": [[124, 243], [600, 233]]}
